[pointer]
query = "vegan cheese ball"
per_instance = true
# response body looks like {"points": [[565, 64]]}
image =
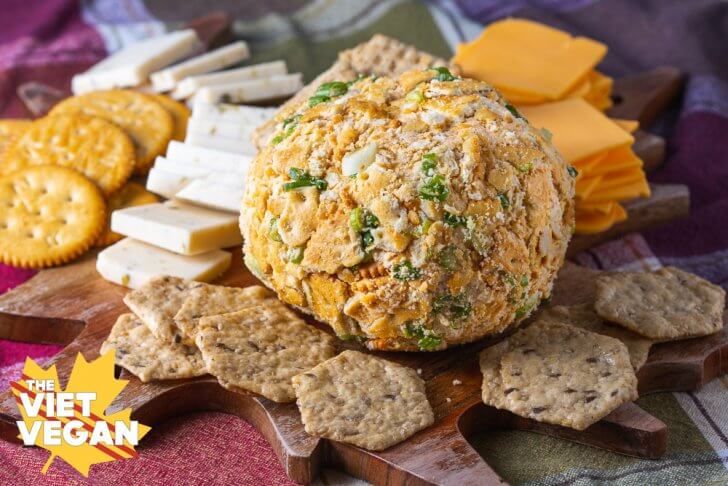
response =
{"points": [[410, 213]]}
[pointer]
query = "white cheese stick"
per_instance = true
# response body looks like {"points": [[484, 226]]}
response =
{"points": [[193, 171], [236, 146], [189, 86], [132, 263], [252, 90], [131, 65], [240, 114], [219, 128], [213, 193], [209, 158], [178, 227], [167, 79], [164, 183]]}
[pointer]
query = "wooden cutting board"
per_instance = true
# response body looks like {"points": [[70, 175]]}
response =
{"points": [[72, 305]]}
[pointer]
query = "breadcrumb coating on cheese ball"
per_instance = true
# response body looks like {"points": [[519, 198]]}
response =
{"points": [[409, 214]]}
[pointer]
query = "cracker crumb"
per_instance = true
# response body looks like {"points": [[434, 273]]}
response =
{"points": [[419, 371], [448, 399], [456, 382]]}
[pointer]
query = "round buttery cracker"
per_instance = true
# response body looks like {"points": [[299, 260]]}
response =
{"points": [[180, 114], [143, 119], [363, 400], [11, 130], [132, 194], [664, 305], [148, 358], [93, 146], [48, 216]]}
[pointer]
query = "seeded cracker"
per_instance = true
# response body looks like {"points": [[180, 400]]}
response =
{"points": [[11, 130], [583, 316], [261, 348], [180, 114], [93, 146], [363, 400], [132, 194], [210, 300], [157, 301], [558, 374], [139, 352], [143, 119], [48, 215], [665, 305]]}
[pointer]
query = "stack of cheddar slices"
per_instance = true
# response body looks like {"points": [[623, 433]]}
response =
{"points": [[551, 79]]}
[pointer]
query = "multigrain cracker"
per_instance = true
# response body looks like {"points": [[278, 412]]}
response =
{"points": [[210, 300], [156, 303], [91, 145], [380, 55], [558, 374], [143, 119], [664, 305], [585, 317], [11, 130], [179, 111], [139, 352], [48, 215], [261, 348], [363, 400], [132, 194]]}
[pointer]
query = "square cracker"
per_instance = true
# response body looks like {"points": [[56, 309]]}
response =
{"points": [[363, 400], [211, 300], [585, 317], [261, 348], [558, 374], [156, 303], [380, 55], [665, 305], [145, 356]]}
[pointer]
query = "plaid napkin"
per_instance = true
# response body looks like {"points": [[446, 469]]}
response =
{"points": [[51, 40]]}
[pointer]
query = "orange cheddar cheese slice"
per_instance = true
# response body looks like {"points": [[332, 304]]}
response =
{"points": [[579, 130], [585, 186], [616, 161], [621, 192], [590, 222], [629, 126], [589, 207], [521, 56]]}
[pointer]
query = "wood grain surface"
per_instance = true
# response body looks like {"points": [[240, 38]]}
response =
{"points": [[72, 305]]}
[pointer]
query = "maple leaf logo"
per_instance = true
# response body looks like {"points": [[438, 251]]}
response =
{"points": [[85, 435]]}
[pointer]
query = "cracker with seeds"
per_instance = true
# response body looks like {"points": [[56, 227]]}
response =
{"points": [[156, 303], [210, 300], [380, 55], [363, 400], [585, 317], [261, 348], [142, 354], [665, 305], [558, 374]]}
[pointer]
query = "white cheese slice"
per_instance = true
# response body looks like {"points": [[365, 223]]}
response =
{"points": [[195, 171], [213, 193], [206, 157], [167, 79], [131, 65], [219, 128], [226, 144], [165, 183], [241, 114], [178, 227], [189, 86], [252, 90], [132, 263]]}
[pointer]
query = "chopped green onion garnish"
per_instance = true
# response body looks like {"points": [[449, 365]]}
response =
{"points": [[423, 228], [526, 167], [572, 171], [295, 254], [318, 99], [406, 271], [429, 162], [505, 203], [456, 305], [444, 74], [513, 110], [303, 179], [273, 230], [547, 134], [415, 96], [455, 220], [334, 88], [427, 340], [524, 281], [447, 258], [435, 189]]}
